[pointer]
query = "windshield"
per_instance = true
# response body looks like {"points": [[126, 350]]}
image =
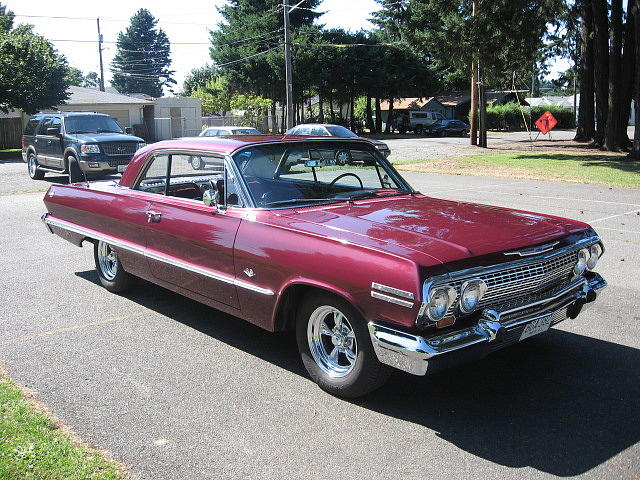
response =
{"points": [[338, 131], [91, 124], [305, 173]]}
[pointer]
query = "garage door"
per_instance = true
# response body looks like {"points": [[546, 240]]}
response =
{"points": [[121, 116]]}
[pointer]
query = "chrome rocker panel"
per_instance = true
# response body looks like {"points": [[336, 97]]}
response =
{"points": [[415, 354]]}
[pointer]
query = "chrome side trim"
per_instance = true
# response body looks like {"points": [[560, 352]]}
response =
{"points": [[387, 298], [392, 290], [132, 247], [412, 353]]}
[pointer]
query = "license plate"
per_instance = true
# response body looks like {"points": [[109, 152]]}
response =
{"points": [[122, 168], [537, 326]]}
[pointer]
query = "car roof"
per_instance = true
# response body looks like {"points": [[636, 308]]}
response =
{"points": [[68, 114], [232, 126], [318, 125]]}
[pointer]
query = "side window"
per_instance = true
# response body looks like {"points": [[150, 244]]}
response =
{"points": [[190, 177], [46, 123], [319, 132], [30, 128], [55, 123], [212, 132]]}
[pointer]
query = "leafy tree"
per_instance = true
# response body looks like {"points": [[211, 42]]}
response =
{"points": [[32, 72], [91, 80], [141, 64], [215, 96], [254, 108], [74, 77], [197, 78], [6, 19]]}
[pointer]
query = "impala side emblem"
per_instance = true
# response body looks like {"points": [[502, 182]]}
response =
{"points": [[249, 272], [534, 250]]}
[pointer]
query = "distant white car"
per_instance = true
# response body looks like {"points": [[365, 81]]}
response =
{"points": [[220, 131]]}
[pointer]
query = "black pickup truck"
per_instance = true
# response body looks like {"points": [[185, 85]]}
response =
{"points": [[76, 143]]}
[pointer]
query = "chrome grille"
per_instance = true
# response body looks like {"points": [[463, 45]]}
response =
{"points": [[517, 284], [119, 148], [119, 161]]}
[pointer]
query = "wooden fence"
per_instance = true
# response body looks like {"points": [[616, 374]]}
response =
{"points": [[10, 133]]}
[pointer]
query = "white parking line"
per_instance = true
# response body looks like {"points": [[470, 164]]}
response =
{"points": [[613, 216], [447, 189], [619, 230]]}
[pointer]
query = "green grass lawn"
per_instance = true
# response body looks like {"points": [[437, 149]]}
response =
{"points": [[10, 153], [33, 448], [611, 170]]}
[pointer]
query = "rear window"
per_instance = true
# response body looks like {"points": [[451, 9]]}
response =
{"points": [[30, 128]]}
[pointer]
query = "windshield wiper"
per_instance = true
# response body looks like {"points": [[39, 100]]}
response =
{"points": [[302, 200], [374, 194]]}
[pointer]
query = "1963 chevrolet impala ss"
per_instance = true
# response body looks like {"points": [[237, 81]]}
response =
{"points": [[324, 237]]}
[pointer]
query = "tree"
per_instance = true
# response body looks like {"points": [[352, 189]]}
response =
{"points": [[74, 77], [32, 72], [197, 78], [586, 128], [635, 152], [215, 96], [91, 80], [141, 64], [6, 19], [615, 77]]}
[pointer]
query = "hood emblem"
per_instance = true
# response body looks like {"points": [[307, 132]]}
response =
{"points": [[534, 250], [249, 272]]}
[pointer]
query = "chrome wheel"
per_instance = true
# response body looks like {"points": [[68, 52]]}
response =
{"points": [[33, 165], [332, 341], [107, 260], [197, 163]]}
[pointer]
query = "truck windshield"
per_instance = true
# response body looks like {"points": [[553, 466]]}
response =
{"points": [[307, 173], [91, 124]]}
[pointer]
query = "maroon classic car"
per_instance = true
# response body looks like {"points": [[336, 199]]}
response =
{"points": [[324, 237]]}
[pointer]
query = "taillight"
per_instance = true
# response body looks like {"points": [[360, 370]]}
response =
{"points": [[23, 142]]}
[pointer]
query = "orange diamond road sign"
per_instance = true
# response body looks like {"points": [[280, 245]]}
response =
{"points": [[546, 122]]}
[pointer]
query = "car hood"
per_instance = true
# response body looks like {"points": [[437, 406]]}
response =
{"points": [[105, 137], [442, 229]]}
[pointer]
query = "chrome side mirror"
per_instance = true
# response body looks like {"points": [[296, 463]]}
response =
{"points": [[210, 198]]}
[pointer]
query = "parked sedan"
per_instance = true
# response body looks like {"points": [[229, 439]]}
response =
{"points": [[328, 130], [369, 273], [450, 127], [221, 131]]}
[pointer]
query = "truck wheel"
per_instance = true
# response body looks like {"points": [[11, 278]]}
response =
{"points": [[402, 130], [335, 347], [418, 130], [32, 167], [75, 174], [110, 272], [197, 163]]}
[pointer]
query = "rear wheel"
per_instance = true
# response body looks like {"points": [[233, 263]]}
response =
{"points": [[32, 165], [418, 130], [335, 347], [110, 272]]}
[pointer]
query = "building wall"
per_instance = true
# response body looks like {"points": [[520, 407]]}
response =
{"points": [[177, 116], [125, 115]]}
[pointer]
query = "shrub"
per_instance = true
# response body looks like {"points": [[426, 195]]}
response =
{"points": [[511, 117]]}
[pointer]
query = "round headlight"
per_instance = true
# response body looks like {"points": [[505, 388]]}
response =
{"points": [[440, 299], [595, 251], [583, 258], [472, 292]]}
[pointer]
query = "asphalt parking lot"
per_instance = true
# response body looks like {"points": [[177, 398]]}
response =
{"points": [[176, 390]]}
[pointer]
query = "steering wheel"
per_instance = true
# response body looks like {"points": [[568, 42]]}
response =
{"points": [[346, 175]]}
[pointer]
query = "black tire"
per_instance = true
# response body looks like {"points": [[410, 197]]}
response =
{"points": [[75, 173], [32, 167], [114, 279], [363, 374], [418, 130], [402, 130]]}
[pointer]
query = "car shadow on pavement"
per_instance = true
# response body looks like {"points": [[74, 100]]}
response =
{"points": [[560, 403]]}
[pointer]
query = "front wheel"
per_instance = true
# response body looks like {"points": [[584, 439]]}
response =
{"points": [[335, 347], [110, 272], [197, 163], [75, 173]]}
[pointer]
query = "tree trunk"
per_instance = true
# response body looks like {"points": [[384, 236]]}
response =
{"points": [[378, 116], [369, 114], [387, 128], [615, 77], [586, 124], [601, 68], [635, 152], [283, 125], [274, 118], [473, 110], [331, 112], [628, 73], [320, 107]]}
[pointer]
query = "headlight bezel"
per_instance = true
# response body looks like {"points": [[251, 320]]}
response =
{"points": [[595, 252], [140, 145], [581, 265], [482, 289], [450, 295], [89, 148]]}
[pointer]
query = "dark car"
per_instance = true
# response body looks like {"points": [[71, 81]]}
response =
{"points": [[450, 127], [328, 130], [78, 144]]}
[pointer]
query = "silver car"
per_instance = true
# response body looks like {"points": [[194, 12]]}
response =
{"points": [[329, 130], [220, 131]]}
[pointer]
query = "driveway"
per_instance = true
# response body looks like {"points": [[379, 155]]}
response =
{"points": [[177, 390]]}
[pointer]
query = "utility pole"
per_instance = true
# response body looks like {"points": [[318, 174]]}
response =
{"points": [[100, 55], [482, 100], [473, 112], [287, 66]]}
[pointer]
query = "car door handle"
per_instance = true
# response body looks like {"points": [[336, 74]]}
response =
{"points": [[153, 217]]}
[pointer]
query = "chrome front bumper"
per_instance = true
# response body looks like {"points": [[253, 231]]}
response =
{"points": [[417, 355]]}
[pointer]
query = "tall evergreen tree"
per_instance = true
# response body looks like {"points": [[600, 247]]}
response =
{"points": [[141, 64]]}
